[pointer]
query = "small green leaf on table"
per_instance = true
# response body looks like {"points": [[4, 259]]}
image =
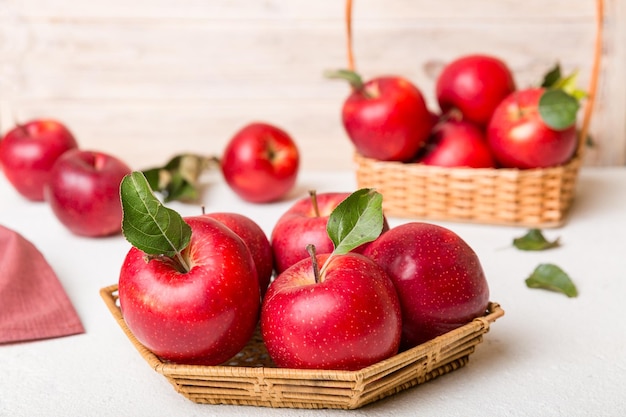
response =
{"points": [[534, 240], [148, 225], [553, 278]]}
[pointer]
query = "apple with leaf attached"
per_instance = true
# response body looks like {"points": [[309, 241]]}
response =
{"points": [[188, 287], [339, 310]]}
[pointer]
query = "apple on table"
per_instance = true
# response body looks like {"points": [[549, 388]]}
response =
{"points": [[28, 152]]}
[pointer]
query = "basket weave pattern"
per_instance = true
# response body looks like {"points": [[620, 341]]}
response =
{"points": [[250, 378], [535, 197]]}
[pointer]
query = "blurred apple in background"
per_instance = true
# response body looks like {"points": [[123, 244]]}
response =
{"points": [[28, 152], [520, 138], [260, 163], [83, 192], [255, 239], [474, 85], [438, 277], [457, 144]]}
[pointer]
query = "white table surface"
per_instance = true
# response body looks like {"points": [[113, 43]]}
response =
{"points": [[548, 356]]}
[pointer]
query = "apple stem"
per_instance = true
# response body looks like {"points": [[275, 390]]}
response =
{"points": [[316, 207], [355, 80], [316, 269], [179, 263]]}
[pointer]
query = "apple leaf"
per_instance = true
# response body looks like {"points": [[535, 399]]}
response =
{"points": [[534, 240], [178, 178], [558, 109], [553, 278], [552, 76], [147, 224], [356, 220]]}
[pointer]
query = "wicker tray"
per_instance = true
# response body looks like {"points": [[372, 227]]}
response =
{"points": [[251, 379], [534, 198]]}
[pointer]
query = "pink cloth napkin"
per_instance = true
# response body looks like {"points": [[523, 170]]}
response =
{"points": [[33, 304]]}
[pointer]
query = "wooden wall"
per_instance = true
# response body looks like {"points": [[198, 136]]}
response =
{"points": [[145, 79]]}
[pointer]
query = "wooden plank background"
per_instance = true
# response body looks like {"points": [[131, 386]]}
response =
{"points": [[145, 79]]}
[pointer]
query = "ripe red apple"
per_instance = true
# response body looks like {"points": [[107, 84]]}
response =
{"points": [[519, 138], [28, 151], [254, 237], [474, 85], [304, 223], [458, 144], [203, 316], [260, 163], [347, 320], [438, 277], [386, 118], [83, 192]]}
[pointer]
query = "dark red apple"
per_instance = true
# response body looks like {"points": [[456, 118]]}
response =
{"points": [[458, 144], [203, 316], [347, 320], [260, 163], [519, 138], [438, 277], [254, 237], [305, 223], [28, 151], [474, 85], [83, 192], [386, 118]]}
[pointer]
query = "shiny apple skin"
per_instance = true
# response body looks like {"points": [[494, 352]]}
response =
{"points": [[438, 276], [349, 320], [388, 119], [474, 85], [83, 192], [204, 316], [520, 139], [254, 237], [28, 152], [261, 163]]}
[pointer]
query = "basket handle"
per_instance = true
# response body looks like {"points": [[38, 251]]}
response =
{"points": [[593, 81]]}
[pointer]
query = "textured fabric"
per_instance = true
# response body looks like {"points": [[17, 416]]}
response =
{"points": [[33, 303]]}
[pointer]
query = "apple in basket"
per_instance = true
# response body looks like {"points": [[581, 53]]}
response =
{"points": [[438, 277], [83, 192], [188, 288], [456, 143], [254, 237], [521, 136], [474, 85], [335, 311], [386, 118], [28, 151], [305, 223], [260, 163]]}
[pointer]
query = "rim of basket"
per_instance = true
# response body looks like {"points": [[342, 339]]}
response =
{"points": [[593, 79]]}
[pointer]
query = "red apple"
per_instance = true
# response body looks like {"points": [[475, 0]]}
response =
{"points": [[260, 163], [304, 223], [203, 316], [386, 118], [458, 144], [474, 85], [83, 192], [254, 237], [28, 151], [438, 277], [519, 138], [347, 320]]}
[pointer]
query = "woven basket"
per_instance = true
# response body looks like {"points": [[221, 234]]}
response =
{"points": [[251, 378], [533, 198]]}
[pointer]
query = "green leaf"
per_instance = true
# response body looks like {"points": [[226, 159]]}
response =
{"points": [[356, 220], [147, 224], [552, 76], [553, 278], [534, 241], [558, 109]]}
